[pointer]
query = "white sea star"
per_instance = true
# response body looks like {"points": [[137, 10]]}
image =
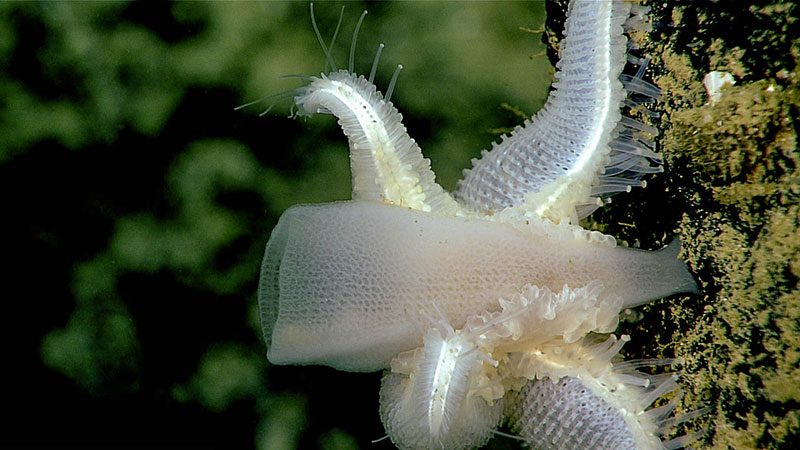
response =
{"points": [[408, 275]]}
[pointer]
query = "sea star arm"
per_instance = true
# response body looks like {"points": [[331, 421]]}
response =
{"points": [[578, 148], [386, 163]]}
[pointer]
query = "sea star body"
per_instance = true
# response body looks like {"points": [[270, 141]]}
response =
{"points": [[468, 297]]}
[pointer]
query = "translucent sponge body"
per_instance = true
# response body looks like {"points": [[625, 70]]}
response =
{"points": [[348, 284]]}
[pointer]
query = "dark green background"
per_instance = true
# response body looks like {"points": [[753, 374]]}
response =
{"points": [[137, 203]]}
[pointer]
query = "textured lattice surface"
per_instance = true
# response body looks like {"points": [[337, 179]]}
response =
{"points": [[566, 415], [343, 284], [577, 140]]}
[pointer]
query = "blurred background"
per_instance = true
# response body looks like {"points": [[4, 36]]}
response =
{"points": [[138, 202]]}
